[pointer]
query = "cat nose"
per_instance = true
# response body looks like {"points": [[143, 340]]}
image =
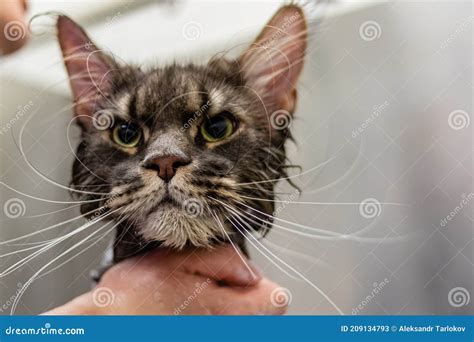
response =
{"points": [[166, 166]]}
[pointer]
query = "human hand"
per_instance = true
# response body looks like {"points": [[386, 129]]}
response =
{"points": [[164, 282], [14, 33]]}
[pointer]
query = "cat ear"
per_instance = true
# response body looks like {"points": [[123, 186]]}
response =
{"points": [[88, 67], [273, 63]]}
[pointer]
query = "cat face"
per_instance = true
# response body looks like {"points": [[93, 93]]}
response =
{"points": [[176, 152]]}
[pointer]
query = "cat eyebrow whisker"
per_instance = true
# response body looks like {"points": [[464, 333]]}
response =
{"points": [[301, 275]]}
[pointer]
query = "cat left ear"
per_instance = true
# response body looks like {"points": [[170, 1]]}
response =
{"points": [[273, 63], [88, 67]]}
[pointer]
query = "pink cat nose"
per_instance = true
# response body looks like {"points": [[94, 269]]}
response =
{"points": [[166, 166]]}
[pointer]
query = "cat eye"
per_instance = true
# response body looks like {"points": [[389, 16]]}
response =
{"points": [[127, 134], [218, 127]]}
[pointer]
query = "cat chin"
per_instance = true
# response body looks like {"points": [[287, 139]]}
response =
{"points": [[174, 228]]}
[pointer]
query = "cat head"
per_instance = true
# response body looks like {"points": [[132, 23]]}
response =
{"points": [[177, 153]]}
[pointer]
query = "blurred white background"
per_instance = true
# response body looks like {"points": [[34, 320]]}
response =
{"points": [[385, 113]]}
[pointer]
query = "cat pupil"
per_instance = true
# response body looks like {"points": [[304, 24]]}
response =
{"points": [[217, 127], [128, 132]]}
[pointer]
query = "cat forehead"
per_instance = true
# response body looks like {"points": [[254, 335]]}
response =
{"points": [[185, 90]]}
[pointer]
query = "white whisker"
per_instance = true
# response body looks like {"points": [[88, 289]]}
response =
{"points": [[39, 173], [8, 242], [297, 175], [56, 241], [302, 276], [33, 278], [237, 250], [258, 249], [48, 200]]}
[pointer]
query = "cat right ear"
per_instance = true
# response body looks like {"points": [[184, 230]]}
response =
{"points": [[90, 70]]}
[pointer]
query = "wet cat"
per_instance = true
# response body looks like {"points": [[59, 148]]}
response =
{"points": [[184, 155]]}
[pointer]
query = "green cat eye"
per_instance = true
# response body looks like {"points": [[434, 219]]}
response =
{"points": [[218, 127], [127, 134]]}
